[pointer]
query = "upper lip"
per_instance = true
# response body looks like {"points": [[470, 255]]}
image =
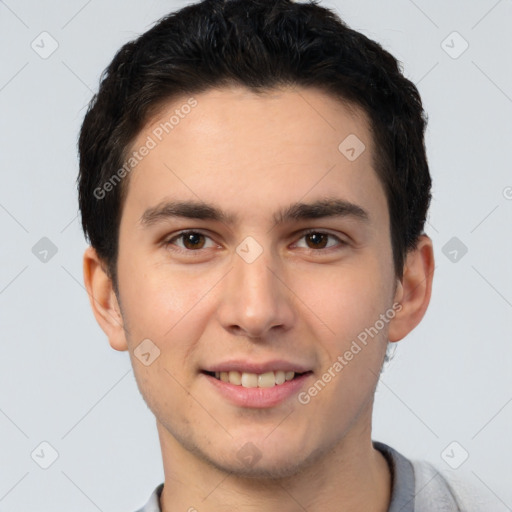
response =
{"points": [[245, 366]]}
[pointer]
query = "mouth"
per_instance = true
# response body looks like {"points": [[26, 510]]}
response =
{"points": [[256, 380]]}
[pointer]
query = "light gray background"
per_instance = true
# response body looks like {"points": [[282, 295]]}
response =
{"points": [[60, 381]]}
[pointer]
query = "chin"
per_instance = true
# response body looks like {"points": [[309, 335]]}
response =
{"points": [[269, 463], [263, 469]]}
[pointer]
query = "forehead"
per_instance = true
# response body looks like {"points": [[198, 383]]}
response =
{"points": [[232, 112], [247, 149]]}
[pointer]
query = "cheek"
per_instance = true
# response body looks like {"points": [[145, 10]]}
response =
{"points": [[346, 299], [166, 308], [165, 305], [350, 302], [151, 293]]}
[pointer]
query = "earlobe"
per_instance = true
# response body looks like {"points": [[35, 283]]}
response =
{"points": [[414, 290], [103, 300]]}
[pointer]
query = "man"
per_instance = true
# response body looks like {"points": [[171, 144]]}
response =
{"points": [[254, 185]]}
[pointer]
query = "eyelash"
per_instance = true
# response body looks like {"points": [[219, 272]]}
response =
{"points": [[169, 242]]}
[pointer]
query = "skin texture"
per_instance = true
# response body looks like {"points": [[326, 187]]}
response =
{"points": [[251, 156]]}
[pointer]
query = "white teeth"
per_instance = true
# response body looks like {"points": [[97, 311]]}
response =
{"points": [[280, 377], [235, 378], [249, 380], [266, 380], [255, 380]]}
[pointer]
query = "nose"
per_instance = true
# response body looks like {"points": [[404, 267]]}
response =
{"points": [[256, 301]]}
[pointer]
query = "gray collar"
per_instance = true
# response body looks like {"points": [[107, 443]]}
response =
{"points": [[402, 475]]}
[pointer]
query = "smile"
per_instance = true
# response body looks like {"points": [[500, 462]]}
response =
{"points": [[255, 380]]}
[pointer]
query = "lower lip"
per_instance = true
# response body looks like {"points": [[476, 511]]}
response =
{"points": [[259, 397]]}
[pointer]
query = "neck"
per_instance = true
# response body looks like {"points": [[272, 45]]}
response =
{"points": [[352, 476]]}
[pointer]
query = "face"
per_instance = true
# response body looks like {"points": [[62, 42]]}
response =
{"points": [[251, 242]]}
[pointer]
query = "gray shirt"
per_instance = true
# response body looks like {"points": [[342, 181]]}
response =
{"points": [[404, 488]]}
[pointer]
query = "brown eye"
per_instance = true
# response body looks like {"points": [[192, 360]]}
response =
{"points": [[318, 240], [188, 241], [192, 240]]}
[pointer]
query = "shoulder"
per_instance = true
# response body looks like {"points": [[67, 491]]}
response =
{"points": [[419, 486], [153, 503], [450, 491]]}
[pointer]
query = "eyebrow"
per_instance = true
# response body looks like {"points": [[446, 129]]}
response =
{"points": [[322, 208]]}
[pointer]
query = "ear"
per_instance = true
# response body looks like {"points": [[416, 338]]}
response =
{"points": [[103, 299], [414, 290]]}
